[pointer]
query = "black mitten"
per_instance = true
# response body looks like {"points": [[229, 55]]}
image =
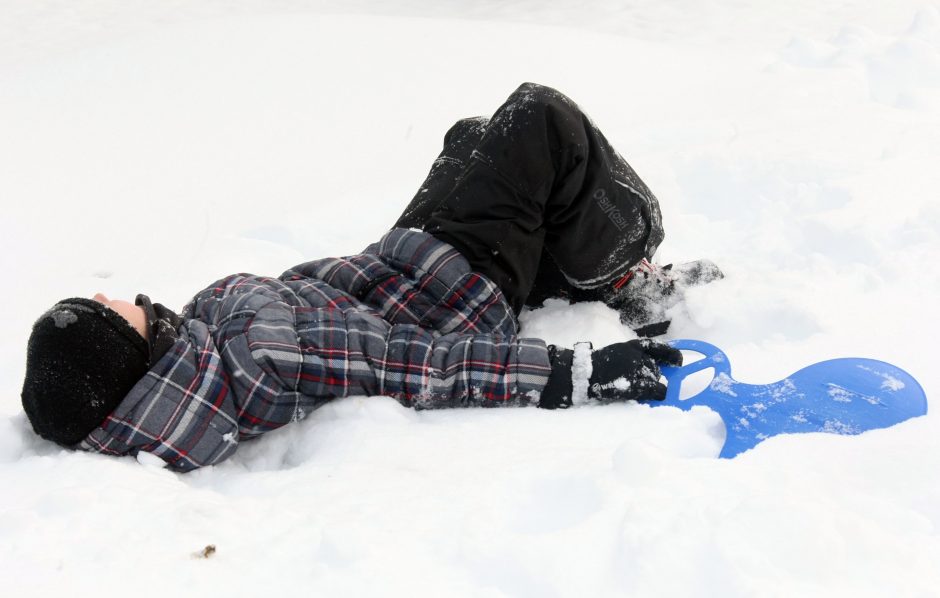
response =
{"points": [[618, 372], [630, 371]]}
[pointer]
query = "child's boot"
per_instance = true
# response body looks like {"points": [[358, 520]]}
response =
{"points": [[644, 294]]}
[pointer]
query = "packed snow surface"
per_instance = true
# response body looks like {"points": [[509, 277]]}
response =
{"points": [[157, 146]]}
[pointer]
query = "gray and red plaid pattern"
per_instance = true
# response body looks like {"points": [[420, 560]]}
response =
{"points": [[407, 318]]}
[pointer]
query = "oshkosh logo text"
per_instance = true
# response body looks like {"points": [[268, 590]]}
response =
{"points": [[607, 206]]}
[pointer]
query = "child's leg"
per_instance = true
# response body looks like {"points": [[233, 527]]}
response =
{"points": [[543, 178], [459, 142]]}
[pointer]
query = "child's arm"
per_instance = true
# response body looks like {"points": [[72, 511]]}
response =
{"points": [[322, 353]]}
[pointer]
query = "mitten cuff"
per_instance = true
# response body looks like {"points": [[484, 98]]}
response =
{"points": [[581, 370]]}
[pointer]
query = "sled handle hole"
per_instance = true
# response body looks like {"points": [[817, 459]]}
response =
{"points": [[701, 360], [695, 383], [689, 356]]}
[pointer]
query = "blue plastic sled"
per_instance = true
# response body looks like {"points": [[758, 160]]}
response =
{"points": [[839, 396]]}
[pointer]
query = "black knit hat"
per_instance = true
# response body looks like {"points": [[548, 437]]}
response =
{"points": [[81, 361]]}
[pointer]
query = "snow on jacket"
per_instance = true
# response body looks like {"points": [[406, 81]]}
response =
{"points": [[407, 318]]}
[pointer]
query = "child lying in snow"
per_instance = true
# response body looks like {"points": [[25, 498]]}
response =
{"points": [[530, 204]]}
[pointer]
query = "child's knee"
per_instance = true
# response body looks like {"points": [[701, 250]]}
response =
{"points": [[536, 94], [466, 129]]}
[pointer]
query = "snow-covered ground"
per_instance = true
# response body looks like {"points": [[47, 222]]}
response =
{"points": [[156, 146]]}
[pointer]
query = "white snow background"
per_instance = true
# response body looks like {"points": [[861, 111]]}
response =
{"points": [[157, 146]]}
